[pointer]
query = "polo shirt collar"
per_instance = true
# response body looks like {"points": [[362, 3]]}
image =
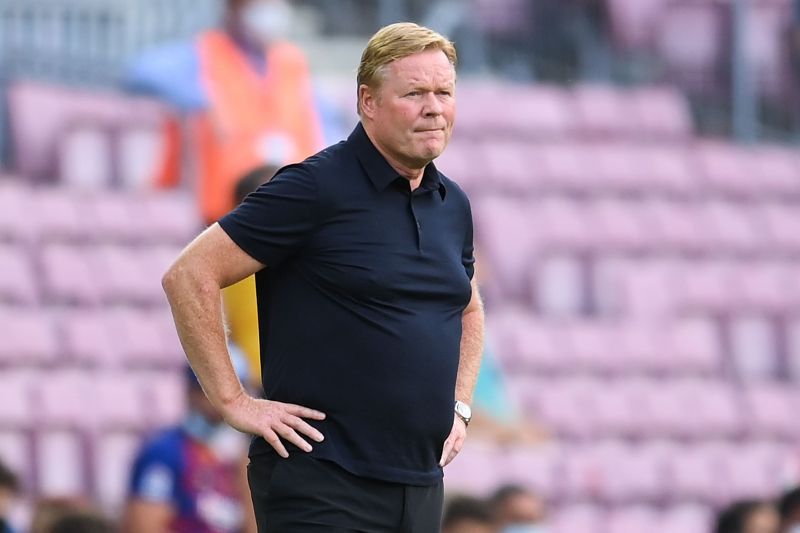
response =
{"points": [[380, 172]]}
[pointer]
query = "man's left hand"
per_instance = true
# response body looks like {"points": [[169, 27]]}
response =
{"points": [[454, 442]]}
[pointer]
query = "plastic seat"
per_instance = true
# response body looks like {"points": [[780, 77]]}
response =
{"points": [[660, 112], [476, 469], [67, 277], [772, 410], [29, 337], [17, 284], [633, 519], [15, 206]]}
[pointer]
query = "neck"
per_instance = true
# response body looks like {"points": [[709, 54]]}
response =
{"points": [[413, 173]]}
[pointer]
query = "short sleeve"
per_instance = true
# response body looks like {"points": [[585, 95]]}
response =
{"points": [[468, 250], [278, 219], [155, 475]]}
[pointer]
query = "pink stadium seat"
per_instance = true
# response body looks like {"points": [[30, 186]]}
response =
{"points": [[601, 110], [635, 519], [564, 222], [532, 467], [668, 169], [507, 168], [17, 284], [67, 277], [726, 169], [564, 406], [65, 400], [165, 397], [593, 346], [534, 345], [776, 169], [579, 518], [140, 338], [503, 242], [772, 410], [112, 214], [621, 225], [476, 470], [754, 346], [62, 216], [168, 218], [559, 286], [733, 227], [42, 113], [122, 276], [85, 156], [562, 166], [686, 518], [118, 402], [15, 205], [660, 112], [677, 226], [782, 226], [694, 346], [87, 338], [755, 471], [29, 337], [708, 286], [16, 409], [696, 473]]}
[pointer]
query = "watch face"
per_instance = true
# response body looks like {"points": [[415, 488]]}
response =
{"points": [[463, 410]]}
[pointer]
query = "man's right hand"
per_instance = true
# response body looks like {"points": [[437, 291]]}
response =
{"points": [[274, 421]]}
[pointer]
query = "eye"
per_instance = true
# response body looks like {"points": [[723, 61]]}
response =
{"points": [[413, 93]]}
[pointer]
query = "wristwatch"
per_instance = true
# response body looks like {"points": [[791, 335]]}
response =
{"points": [[463, 411]]}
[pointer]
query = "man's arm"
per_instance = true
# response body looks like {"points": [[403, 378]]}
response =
{"points": [[193, 284], [468, 365]]}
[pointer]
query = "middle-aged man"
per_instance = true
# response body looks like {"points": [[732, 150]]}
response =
{"points": [[370, 322]]}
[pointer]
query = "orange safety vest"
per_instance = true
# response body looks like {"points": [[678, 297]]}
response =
{"points": [[251, 119]]}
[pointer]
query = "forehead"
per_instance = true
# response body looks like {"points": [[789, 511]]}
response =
{"points": [[430, 66]]}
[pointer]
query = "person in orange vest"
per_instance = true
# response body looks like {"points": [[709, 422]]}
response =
{"points": [[246, 96]]}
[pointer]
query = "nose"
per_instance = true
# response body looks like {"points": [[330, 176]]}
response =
{"points": [[432, 107]]}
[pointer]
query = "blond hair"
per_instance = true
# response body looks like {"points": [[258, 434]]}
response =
{"points": [[397, 41]]}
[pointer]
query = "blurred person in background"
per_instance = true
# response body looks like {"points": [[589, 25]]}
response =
{"points": [[465, 514], [241, 312], [49, 511], [374, 323], [518, 510], [789, 509], [84, 522], [9, 490], [748, 516], [246, 94], [191, 478]]}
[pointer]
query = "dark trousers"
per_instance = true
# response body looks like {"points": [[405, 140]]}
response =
{"points": [[302, 494]]}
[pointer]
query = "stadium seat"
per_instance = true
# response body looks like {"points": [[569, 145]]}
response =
{"points": [[17, 284], [29, 337], [67, 277]]}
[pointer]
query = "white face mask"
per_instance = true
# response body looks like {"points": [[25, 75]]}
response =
{"points": [[524, 528], [266, 21]]}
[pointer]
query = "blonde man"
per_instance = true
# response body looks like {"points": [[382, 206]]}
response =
{"points": [[371, 322]]}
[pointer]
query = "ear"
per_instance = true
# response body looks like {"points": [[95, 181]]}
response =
{"points": [[368, 100]]}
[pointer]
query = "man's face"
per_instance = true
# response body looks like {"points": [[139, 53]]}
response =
{"points": [[413, 110], [522, 509], [765, 519]]}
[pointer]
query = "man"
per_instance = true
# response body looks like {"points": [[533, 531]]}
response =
{"points": [[191, 478], [9, 490], [465, 514], [246, 93], [748, 516], [789, 509], [370, 322], [518, 510]]}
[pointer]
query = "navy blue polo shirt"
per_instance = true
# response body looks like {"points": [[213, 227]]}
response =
{"points": [[359, 307]]}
